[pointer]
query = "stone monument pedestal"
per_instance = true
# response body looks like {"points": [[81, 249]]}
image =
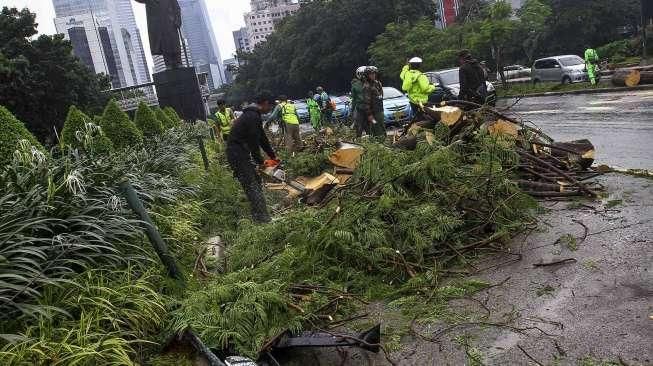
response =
{"points": [[180, 89]]}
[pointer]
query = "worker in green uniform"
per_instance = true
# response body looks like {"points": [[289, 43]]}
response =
{"points": [[591, 60], [372, 103], [360, 123], [225, 118], [290, 119], [417, 85], [313, 111]]}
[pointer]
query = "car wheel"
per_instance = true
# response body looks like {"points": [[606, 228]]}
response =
{"points": [[566, 80]]}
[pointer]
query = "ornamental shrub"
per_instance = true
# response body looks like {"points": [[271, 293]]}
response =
{"points": [[119, 128], [12, 131], [174, 117], [76, 120], [146, 120], [165, 120]]}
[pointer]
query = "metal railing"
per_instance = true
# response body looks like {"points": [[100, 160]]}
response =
{"points": [[130, 97]]}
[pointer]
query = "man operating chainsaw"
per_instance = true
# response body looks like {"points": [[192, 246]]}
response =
{"points": [[244, 145]]}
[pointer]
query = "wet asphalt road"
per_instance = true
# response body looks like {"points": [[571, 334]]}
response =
{"points": [[620, 125]]}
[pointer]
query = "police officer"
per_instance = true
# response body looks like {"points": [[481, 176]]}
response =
{"points": [[417, 85], [371, 106]]}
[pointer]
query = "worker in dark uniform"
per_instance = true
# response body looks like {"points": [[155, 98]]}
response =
{"points": [[472, 79], [244, 145]]}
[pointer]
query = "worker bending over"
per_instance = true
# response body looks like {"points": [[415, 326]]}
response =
{"points": [[244, 145]]}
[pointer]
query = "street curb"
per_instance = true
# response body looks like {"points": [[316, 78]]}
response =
{"points": [[581, 91]]}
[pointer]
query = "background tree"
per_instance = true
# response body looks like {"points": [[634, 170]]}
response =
{"points": [[40, 79], [496, 32], [533, 16], [321, 44]]}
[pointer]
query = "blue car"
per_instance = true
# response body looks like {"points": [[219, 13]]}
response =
{"points": [[343, 105], [396, 107]]}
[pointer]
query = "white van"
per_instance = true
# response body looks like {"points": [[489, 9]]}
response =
{"points": [[565, 69]]}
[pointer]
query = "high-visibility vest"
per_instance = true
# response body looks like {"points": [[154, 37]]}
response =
{"points": [[289, 113], [224, 120], [591, 55], [417, 85]]}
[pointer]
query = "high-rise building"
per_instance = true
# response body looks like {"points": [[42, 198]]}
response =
{"points": [[200, 40], [230, 67], [105, 37], [265, 14], [446, 12], [241, 40]]}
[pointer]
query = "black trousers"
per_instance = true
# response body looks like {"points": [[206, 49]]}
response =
{"points": [[418, 114], [240, 162]]}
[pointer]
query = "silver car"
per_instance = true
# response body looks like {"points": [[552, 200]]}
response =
{"points": [[565, 69]]}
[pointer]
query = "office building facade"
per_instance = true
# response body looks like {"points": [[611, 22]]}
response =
{"points": [[105, 37], [241, 40], [265, 14], [200, 40], [446, 12]]}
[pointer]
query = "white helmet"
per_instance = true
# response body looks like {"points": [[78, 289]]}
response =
{"points": [[415, 60], [360, 71]]}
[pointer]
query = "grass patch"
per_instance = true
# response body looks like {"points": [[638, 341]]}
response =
{"points": [[520, 89]]}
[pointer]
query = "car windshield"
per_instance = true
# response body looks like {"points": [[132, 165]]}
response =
{"points": [[571, 61], [391, 93], [449, 77]]}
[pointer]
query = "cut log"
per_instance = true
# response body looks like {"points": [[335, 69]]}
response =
{"points": [[406, 143], [645, 77], [626, 77], [449, 115]]}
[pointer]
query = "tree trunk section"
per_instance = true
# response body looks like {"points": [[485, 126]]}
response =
{"points": [[629, 78]]}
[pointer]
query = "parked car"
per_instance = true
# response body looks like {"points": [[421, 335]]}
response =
{"points": [[343, 106], [452, 82], [396, 107], [515, 72], [565, 69], [302, 111]]}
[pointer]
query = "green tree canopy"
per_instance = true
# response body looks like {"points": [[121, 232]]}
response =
{"points": [[321, 44], [41, 78]]}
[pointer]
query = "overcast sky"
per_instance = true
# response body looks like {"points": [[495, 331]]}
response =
{"points": [[226, 16]]}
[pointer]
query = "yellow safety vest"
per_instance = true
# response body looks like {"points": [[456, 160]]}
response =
{"points": [[224, 120], [289, 113]]}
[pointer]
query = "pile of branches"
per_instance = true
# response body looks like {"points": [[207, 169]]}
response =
{"points": [[546, 168]]}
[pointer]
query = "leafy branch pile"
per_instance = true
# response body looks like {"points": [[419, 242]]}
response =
{"points": [[389, 234]]}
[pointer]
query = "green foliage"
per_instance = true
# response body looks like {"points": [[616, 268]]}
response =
{"points": [[75, 121], [245, 315], [165, 120], [307, 164], [322, 44], [41, 78], [578, 24], [619, 51], [174, 117], [533, 16], [119, 128], [12, 131], [110, 314], [147, 121]]}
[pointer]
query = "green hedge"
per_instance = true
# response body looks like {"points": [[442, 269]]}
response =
{"points": [[166, 122], [12, 130], [76, 120], [119, 128], [174, 117], [146, 120]]}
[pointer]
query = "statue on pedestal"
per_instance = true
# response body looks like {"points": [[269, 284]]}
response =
{"points": [[164, 24]]}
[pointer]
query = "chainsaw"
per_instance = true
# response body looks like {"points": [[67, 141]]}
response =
{"points": [[273, 169]]}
